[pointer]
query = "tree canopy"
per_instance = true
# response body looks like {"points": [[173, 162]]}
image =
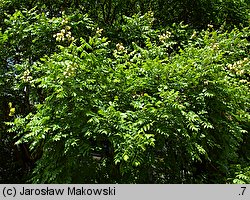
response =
{"points": [[127, 91]]}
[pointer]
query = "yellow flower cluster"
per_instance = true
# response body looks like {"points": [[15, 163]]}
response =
{"points": [[99, 31], [164, 36], [210, 26], [64, 34], [120, 47], [238, 69], [237, 66], [26, 76], [70, 70]]}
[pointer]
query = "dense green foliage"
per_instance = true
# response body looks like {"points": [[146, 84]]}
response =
{"points": [[125, 91]]}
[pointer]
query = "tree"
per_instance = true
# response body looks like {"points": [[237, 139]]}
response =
{"points": [[139, 101]]}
